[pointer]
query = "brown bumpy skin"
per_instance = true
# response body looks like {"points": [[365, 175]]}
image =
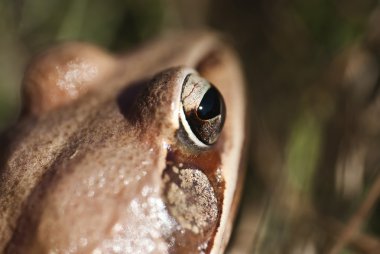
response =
{"points": [[98, 162]]}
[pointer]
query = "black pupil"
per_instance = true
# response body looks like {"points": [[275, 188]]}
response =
{"points": [[210, 105]]}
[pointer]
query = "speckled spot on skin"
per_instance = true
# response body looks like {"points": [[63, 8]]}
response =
{"points": [[219, 176], [202, 248], [78, 72], [151, 221], [166, 178], [193, 202]]}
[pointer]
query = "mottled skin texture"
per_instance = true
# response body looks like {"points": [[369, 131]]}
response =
{"points": [[106, 168]]}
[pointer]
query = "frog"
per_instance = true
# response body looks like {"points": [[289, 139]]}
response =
{"points": [[136, 152]]}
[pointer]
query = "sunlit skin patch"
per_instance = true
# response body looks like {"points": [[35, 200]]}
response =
{"points": [[193, 189]]}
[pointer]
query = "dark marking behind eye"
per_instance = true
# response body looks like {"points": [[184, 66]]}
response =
{"points": [[207, 162]]}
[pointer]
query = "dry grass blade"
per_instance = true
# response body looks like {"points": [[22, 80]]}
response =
{"points": [[351, 230]]}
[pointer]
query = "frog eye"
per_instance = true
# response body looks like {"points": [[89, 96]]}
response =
{"points": [[203, 110]]}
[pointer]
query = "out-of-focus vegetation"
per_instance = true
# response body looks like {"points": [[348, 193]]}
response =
{"points": [[313, 75], [313, 67]]}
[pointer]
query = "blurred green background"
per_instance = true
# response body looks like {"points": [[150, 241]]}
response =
{"points": [[312, 71]]}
